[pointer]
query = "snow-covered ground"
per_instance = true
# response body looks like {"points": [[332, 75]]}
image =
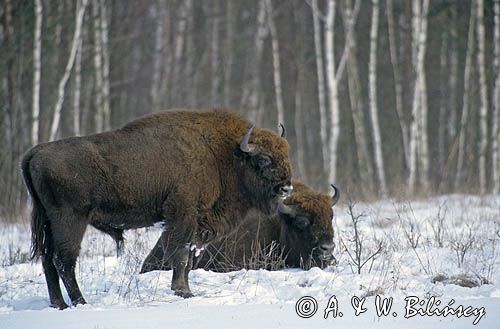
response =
{"points": [[450, 239]]}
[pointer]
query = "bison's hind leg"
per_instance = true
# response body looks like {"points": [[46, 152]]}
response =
{"points": [[51, 276], [67, 233]]}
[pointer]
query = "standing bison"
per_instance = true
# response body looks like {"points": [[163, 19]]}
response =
{"points": [[197, 172], [300, 235]]}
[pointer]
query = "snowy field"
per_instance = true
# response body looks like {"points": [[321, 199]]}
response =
{"points": [[444, 248]]}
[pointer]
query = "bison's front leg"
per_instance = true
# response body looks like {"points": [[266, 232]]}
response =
{"points": [[176, 245], [181, 265]]}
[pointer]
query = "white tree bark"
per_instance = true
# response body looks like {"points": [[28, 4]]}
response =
{"points": [[251, 90], [398, 88], [276, 63], [372, 86], [465, 103], [423, 143], [332, 91], [186, 8], [106, 108], [419, 153], [355, 95], [37, 58], [215, 65], [80, 11], [496, 100], [299, 124], [483, 96], [348, 30], [77, 90], [98, 114], [159, 17], [443, 95], [412, 165], [229, 52], [452, 119], [318, 47]]}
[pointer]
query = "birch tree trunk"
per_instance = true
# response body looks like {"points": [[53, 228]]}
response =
{"points": [[298, 124], [443, 95], [418, 135], [465, 103], [372, 86], [276, 63], [423, 143], [106, 108], [98, 114], [229, 52], [355, 96], [332, 91], [251, 90], [179, 45], [159, 16], [483, 96], [77, 90], [37, 54], [398, 87], [496, 100], [452, 119], [80, 11], [215, 77], [318, 47]]}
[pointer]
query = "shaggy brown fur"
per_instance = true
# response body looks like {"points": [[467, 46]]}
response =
{"points": [[304, 239], [184, 168]]}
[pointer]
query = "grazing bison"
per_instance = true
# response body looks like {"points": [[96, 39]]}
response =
{"points": [[197, 172], [301, 235]]}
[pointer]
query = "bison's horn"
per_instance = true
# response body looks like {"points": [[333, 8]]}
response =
{"points": [[283, 130], [285, 209], [244, 146], [335, 195]]}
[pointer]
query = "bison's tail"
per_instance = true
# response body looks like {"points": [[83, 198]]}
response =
{"points": [[38, 215]]}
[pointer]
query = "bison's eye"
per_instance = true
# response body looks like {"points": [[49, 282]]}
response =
{"points": [[301, 222], [263, 161]]}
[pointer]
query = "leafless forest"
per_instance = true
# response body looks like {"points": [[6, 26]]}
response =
{"points": [[381, 97]]}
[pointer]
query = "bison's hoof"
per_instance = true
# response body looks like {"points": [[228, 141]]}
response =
{"points": [[59, 304], [79, 301], [184, 294]]}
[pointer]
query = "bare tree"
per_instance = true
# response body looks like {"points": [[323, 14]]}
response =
{"points": [[276, 63], [418, 133], [318, 47], [251, 90], [229, 52], [483, 95], [215, 53], [332, 90], [77, 90], [180, 36], [496, 100], [355, 95], [98, 114], [80, 11], [37, 54], [372, 85], [398, 88], [465, 104], [159, 12], [443, 91], [106, 109]]}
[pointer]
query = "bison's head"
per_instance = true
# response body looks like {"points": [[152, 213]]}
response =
{"points": [[262, 157], [306, 228]]}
